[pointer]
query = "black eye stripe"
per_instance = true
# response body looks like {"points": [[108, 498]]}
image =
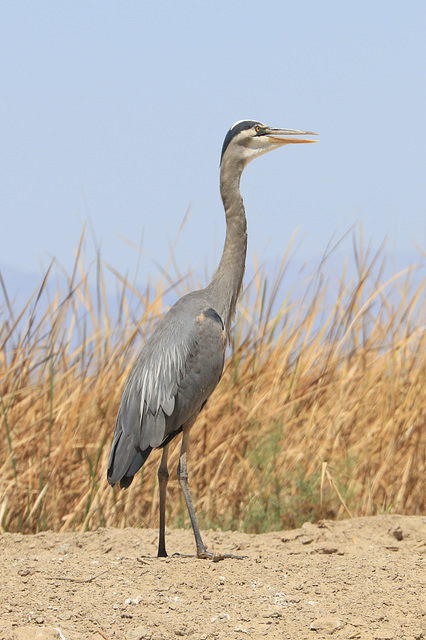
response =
{"points": [[235, 130]]}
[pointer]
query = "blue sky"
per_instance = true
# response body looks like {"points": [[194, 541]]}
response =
{"points": [[114, 113]]}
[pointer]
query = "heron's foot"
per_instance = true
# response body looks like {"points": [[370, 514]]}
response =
{"points": [[217, 557], [203, 554]]}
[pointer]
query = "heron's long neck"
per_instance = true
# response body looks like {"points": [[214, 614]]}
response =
{"points": [[226, 283]]}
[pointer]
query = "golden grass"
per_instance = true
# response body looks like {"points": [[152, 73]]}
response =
{"points": [[321, 411]]}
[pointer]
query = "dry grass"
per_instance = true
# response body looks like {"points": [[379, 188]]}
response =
{"points": [[321, 411]]}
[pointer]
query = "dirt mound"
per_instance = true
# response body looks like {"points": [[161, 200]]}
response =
{"points": [[361, 578]]}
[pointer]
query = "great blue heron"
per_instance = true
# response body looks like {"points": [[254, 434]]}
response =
{"points": [[182, 361]]}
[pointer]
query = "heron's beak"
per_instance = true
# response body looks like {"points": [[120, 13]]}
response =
{"points": [[274, 135]]}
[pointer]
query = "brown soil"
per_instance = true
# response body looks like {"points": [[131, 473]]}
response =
{"points": [[361, 578]]}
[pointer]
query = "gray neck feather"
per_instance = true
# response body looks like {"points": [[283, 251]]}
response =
{"points": [[226, 283]]}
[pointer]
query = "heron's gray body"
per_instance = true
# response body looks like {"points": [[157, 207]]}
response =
{"points": [[182, 362], [171, 380]]}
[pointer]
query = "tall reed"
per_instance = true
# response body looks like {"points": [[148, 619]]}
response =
{"points": [[321, 410]]}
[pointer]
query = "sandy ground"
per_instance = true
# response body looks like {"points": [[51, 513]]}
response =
{"points": [[361, 578]]}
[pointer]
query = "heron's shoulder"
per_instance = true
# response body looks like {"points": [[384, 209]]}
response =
{"points": [[191, 310], [190, 320]]}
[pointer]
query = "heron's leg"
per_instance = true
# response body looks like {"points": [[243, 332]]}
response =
{"points": [[163, 477], [182, 473], [183, 480]]}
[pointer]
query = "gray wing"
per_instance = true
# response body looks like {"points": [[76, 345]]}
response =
{"points": [[172, 378]]}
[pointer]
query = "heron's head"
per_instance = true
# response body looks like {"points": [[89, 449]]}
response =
{"points": [[247, 139]]}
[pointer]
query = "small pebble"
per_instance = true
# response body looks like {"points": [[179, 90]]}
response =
{"points": [[139, 633], [397, 534]]}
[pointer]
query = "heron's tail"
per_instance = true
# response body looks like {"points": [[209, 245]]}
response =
{"points": [[125, 460]]}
